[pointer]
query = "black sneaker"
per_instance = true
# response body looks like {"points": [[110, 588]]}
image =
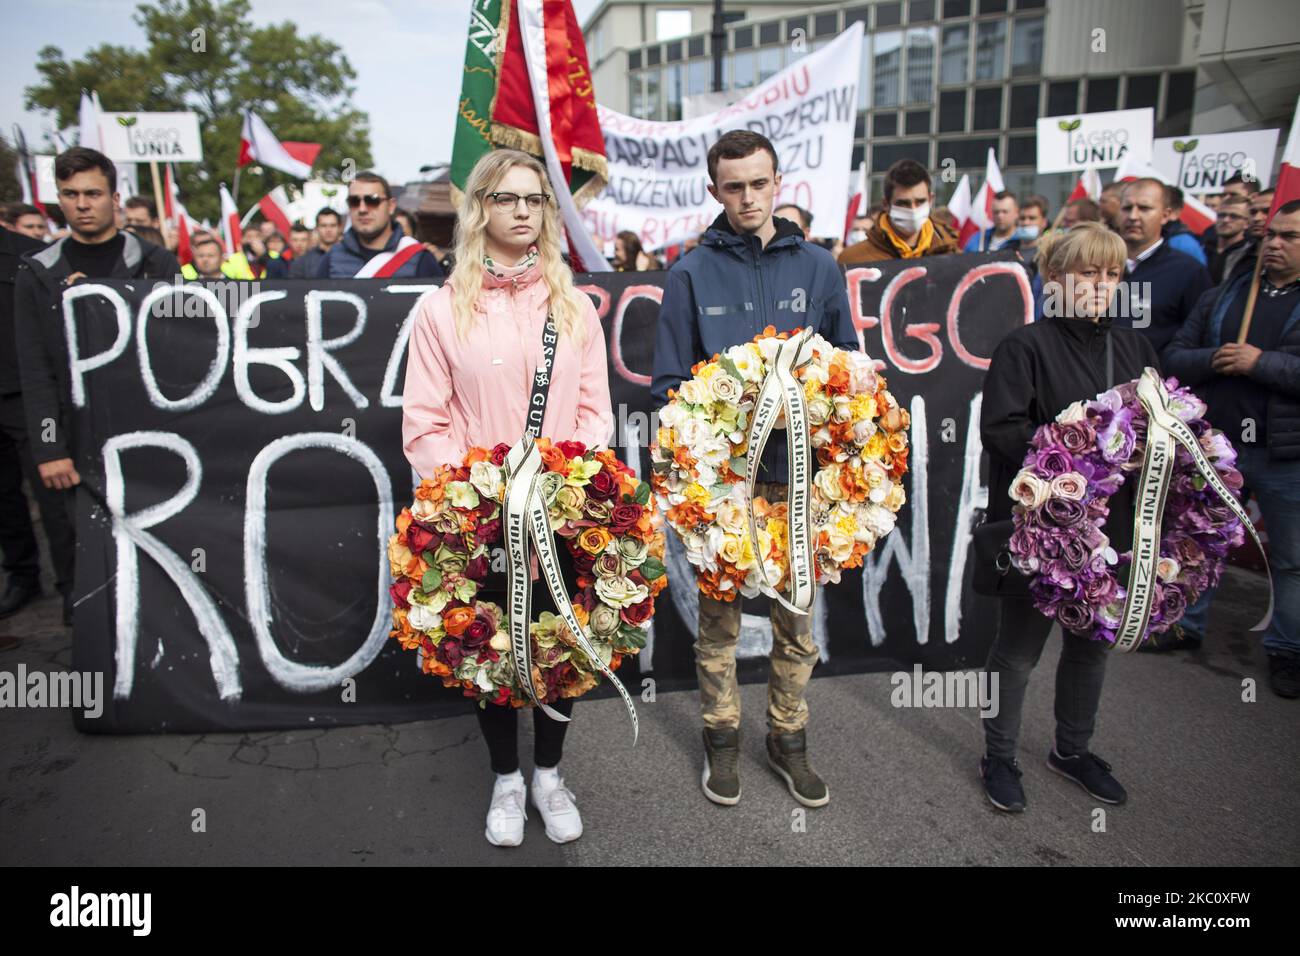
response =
{"points": [[787, 754], [1284, 675], [18, 595], [721, 779], [1177, 638], [1002, 783], [1090, 772]]}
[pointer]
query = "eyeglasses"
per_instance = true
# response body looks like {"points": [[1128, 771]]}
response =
{"points": [[508, 202], [372, 201]]}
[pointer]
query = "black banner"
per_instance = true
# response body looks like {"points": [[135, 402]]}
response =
{"points": [[240, 450]]}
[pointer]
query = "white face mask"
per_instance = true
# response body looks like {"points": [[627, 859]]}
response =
{"points": [[1025, 233], [909, 221]]}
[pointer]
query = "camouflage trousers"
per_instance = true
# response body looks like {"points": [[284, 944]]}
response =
{"points": [[791, 662]]}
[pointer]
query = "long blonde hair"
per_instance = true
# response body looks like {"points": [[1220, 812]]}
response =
{"points": [[471, 234]]}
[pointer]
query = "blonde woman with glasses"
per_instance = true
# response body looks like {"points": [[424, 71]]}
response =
{"points": [[475, 346]]}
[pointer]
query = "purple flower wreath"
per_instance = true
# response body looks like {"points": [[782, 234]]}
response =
{"points": [[1062, 492]]}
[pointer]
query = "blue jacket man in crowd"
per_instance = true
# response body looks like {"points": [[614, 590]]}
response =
{"points": [[750, 270], [371, 206]]}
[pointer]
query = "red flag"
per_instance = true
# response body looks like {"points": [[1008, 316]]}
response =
{"points": [[1287, 186], [257, 142], [275, 207], [232, 235], [183, 254], [962, 211]]}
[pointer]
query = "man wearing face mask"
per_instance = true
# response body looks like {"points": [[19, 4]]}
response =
{"points": [[905, 230], [1033, 220]]}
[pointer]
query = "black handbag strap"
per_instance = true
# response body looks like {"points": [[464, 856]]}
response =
{"points": [[542, 380]]}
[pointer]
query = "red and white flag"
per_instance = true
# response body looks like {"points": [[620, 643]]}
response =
{"points": [[858, 201], [275, 207], [1196, 216], [1088, 187], [557, 127], [232, 236], [982, 211], [257, 142], [1287, 186], [962, 211], [385, 264]]}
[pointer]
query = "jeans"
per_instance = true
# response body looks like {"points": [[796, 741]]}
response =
{"points": [[1276, 487], [1022, 632]]}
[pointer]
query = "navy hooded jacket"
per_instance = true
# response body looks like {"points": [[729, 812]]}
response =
{"points": [[729, 288], [347, 256]]}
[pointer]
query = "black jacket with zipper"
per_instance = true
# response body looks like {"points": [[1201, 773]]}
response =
{"points": [[1036, 372], [42, 348]]}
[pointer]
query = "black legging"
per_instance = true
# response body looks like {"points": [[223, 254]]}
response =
{"points": [[500, 731]]}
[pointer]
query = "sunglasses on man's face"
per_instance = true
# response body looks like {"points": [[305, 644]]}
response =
{"points": [[372, 201]]}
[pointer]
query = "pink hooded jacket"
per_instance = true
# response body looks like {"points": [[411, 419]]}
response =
{"points": [[460, 393]]}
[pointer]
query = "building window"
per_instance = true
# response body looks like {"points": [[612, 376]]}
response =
{"points": [[673, 52], [652, 56], [1022, 151], [889, 15], [699, 77], [1030, 4], [651, 94], [987, 111], [864, 74], [917, 123], [636, 96], [695, 46], [673, 93], [796, 27], [1024, 106], [671, 24], [769, 62], [919, 11], [955, 8], [1179, 93], [826, 24], [920, 64], [859, 155], [967, 153], [993, 6], [744, 72], [1103, 94], [884, 124], [1062, 97], [882, 157], [955, 66], [857, 15], [1027, 47], [769, 33], [1143, 90], [990, 49], [887, 67], [743, 38], [952, 111], [860, 126], [634, 60]]}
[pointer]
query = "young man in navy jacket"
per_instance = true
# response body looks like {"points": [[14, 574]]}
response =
{"points": [[750, 270]]}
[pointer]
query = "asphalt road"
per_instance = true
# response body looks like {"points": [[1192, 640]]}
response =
{"points": [[1212, 779]]}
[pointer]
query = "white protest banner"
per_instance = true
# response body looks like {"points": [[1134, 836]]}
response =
{"points": [[151, 137], [47, 190], [1094, 140], [317, 195], [658, 172], [1200, 164]]}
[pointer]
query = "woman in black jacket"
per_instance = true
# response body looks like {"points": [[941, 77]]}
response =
{"points": [[1075, 352]]}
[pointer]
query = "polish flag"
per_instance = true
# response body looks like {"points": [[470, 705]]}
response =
{"points": [[982, 209], [858, 201], [257, 142], [1287, 186], [962, 211], [1196, 216], [174, 215], [1088, 187], [88, 134], [232, 236], [275, 207]]}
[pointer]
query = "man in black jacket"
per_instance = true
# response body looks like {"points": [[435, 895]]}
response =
{"points": [[1253, 393], [752, 269], [17, 539], [95, 249]]}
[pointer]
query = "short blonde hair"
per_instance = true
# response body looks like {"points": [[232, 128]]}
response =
{"points": [[1087, 244]]}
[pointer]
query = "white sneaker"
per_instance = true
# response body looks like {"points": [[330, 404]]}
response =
{"points": [[554, 801], [506, 815]]}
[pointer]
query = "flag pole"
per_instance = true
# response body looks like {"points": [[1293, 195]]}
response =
{"points": [[159, 206], [1251, 297]]}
